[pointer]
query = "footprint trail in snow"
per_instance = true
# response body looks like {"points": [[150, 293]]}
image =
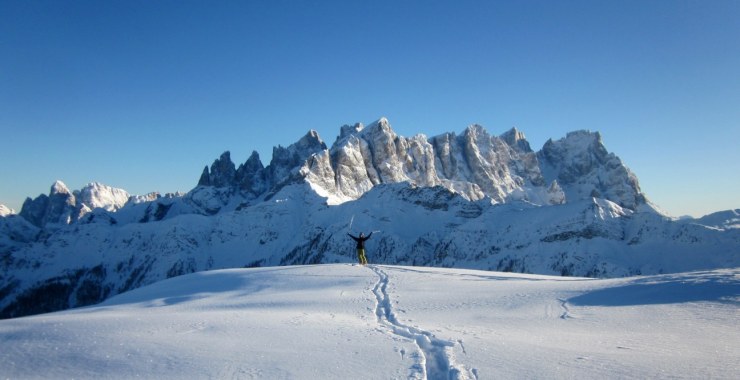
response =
{"points": [[437, 358]]}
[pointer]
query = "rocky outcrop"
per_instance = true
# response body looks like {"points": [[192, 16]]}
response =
{"points": [[224, 184], [250, 176], [584, 168], [473, 165], [56, 208]]}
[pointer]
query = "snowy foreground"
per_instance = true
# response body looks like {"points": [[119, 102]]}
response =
{"points": [[382, 322]]}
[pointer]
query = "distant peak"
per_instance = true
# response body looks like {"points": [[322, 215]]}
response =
{"points": [[225, 156], [312, 135], [96, 185], [348, 130], [59, 188], [516, 139], [254, 156], [5, 210], [475, 130], [514, 134], [380, 123], [381, 126], [583, 134], [311, 141]]}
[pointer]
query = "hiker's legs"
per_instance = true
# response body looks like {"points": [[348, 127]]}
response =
{"points": [[361, 256]]}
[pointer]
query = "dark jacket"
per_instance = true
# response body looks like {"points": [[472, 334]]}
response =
{"points": [[360, 240]]}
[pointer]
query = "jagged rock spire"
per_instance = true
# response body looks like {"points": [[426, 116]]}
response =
{"points": [[516, 140], [474, 164]]}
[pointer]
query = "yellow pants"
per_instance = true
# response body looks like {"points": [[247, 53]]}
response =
{"points": [[361, 256]]}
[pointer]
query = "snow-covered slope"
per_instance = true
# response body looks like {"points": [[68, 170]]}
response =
{"points": [[469, 201], [722, 220], [428, 226], [390, 322]]}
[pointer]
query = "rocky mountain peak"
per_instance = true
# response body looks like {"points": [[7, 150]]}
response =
{"points": [[58, 187], [348, 130], [63, 206], [475, 131], [56, 208], [584, 168], [223, 171], [252, 164], [250, 175], [516, 140], [218, 186], [97, 195], [311, 142], [474, 164], [286, 160]]}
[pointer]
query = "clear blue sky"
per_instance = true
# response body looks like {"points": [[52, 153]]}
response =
{"points": [[142, 95]]}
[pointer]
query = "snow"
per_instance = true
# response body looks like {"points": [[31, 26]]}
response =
{"points": [[6, 211], [97, 195], [342, 321]]}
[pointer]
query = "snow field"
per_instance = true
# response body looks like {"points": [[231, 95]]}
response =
{"points": [[528, 326], [344, 321]]}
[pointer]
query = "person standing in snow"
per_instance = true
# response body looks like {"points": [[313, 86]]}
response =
{"points": [[361, 246]]}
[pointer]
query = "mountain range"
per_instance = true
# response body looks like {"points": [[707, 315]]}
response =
{"points": [[472, 200]]}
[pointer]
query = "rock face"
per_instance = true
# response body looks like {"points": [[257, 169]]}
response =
{"points": [[583, 168], [223, 183], [56, 208], [474, 165]]}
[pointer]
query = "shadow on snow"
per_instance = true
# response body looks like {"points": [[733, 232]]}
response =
{"points": [[723, 287]]}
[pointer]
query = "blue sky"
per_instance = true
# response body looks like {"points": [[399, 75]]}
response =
{"points": [[143, 95]]}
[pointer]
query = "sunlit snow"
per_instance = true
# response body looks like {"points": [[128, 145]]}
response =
{"points": [[343, 321]]}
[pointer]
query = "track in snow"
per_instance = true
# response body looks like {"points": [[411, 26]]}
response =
{"points": [[437, 358]]}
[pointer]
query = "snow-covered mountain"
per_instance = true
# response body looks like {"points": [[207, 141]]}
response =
{"points": [[62, 206], [341, 321], [468, 201], [5, 210]]}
